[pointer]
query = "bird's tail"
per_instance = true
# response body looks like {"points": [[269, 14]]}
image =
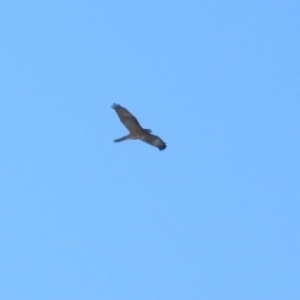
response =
{"points": [[124, 138]]}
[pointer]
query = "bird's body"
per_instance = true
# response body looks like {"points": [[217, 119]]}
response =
{"points": [[136, 131]]}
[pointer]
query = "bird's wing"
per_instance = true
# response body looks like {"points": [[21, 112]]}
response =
{"points": [[128, 119], [153, 140]]}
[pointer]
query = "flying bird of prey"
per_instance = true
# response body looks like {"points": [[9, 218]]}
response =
{"points": [[136, 131]]}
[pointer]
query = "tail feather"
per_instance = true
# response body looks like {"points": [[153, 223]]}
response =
{"points": [[124, 138]]}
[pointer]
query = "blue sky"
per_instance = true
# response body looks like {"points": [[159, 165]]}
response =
{"points": [[215, 215]]}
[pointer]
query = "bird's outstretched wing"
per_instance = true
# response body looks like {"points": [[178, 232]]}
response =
{"points": [[153, 140], [128, 119]]}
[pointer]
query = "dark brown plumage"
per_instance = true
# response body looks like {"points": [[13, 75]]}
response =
{"points": [[136, 131]]}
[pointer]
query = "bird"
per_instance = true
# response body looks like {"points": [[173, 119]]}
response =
{"points": [[136, 131]]}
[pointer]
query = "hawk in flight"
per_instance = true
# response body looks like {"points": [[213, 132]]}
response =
{"points": [[136, 131]]}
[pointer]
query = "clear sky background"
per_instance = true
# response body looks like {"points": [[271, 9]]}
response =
{"points": [[214, 216]]}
